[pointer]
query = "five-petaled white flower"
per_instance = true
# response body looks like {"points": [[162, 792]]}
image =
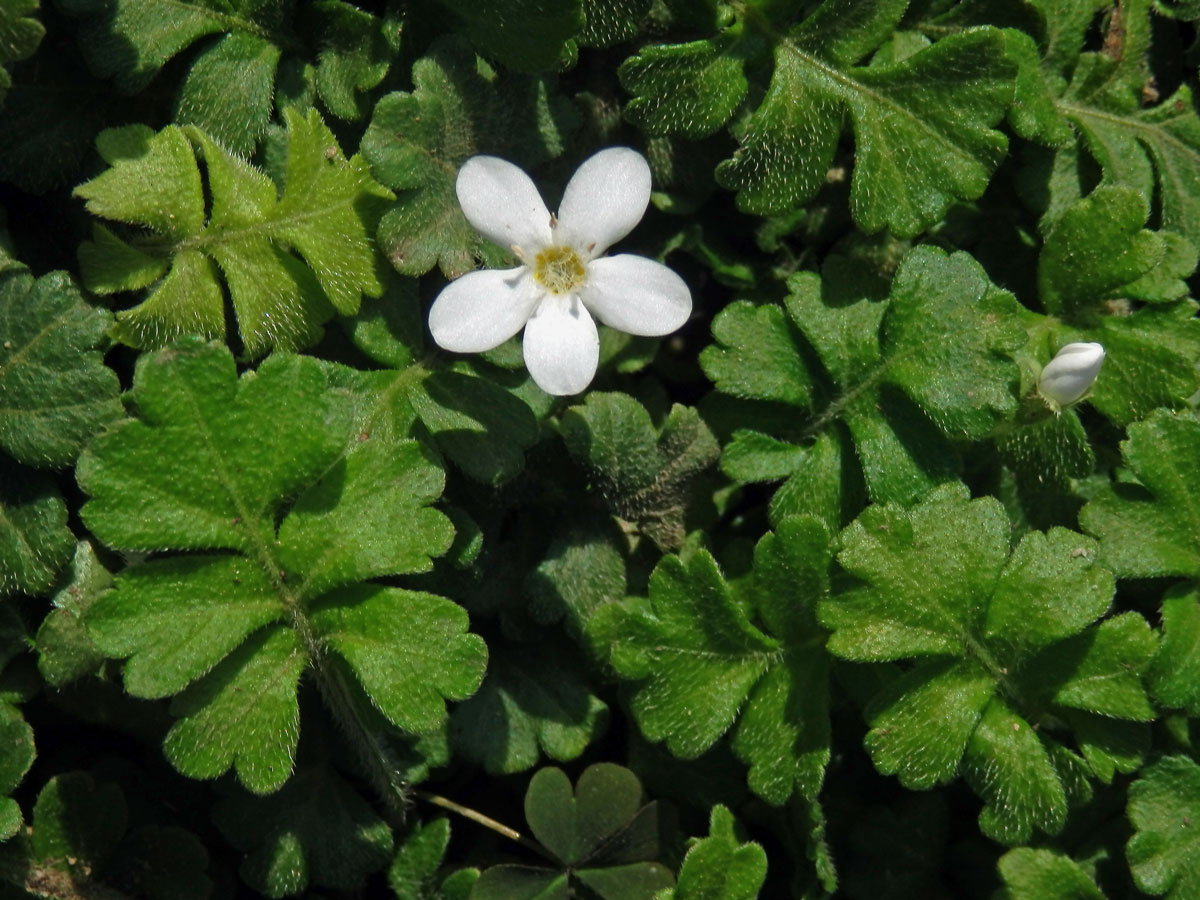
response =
{"points": [[564, 279], [1070, 374]]}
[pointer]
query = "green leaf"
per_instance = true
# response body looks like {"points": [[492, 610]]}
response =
{"points": [[897, 378], [315, 832], [230, 84], [582, 570], [416, 872], [164, 862], [35, 542], [1098, 258], [20, 35], [199, 472], [719, 867], [921, 141], [643, 473], [529, 703], [1097, 248], [1001, 640], [229, 91], [600, 832], [65, 652], [1031, 874], [417, 141], [57, 390], [77, 823], [1163, 803], [527, 35], [355, 56], [1151, 528], [1175, 673], [16, 739], [288, 262], [1155, 150], [700, 663]]}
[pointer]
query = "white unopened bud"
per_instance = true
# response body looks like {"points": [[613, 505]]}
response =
{"points": [[1070, 374]]}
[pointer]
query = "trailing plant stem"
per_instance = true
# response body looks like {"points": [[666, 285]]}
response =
{"points": [[486, 821]]}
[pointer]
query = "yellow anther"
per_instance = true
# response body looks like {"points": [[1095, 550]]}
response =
{"points": [[558, 270]]}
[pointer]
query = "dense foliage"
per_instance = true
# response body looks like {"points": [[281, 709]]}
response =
{"points": [[819, 596]]}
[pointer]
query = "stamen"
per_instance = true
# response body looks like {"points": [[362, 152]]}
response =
{"points": [[558, 269]]}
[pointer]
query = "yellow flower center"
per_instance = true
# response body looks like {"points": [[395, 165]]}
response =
{"points": [[558, 269]]}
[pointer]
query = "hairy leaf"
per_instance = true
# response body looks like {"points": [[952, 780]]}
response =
{"points": [[286, 525], [57, 391], [642, 472], [700, 662], [316, 831], [35, 542], [20, 34], [16, 739], [288, 262], [65, 652], [417, 141], [1152, 528], [1163, 803], [720, 867], [528, 35], [896, 379], [923, 124], [416, 870], [533, 700], [1000, 638], [1045, 875], [230, 83]]}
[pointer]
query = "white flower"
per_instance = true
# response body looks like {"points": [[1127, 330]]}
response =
{"points": [[1070, 374], [564, 279]]}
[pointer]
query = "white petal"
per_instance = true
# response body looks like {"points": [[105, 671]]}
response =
{"points": [[561, 345], [483, 309], [636, 295], [604, 199], [1070, 374], [503, 204]]}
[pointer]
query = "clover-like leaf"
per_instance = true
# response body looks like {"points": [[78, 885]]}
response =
{"points": [[288, 262], [230, 83], [699, 662], [896, 379], [1163, 804], [720, 867], [417, 141], [286, 515], [1000, 638], [57, 391], [316, 831], [642, 472], [602, 835], [923, 124]]}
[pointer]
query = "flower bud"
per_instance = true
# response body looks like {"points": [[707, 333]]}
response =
{"points": [[1070, 374]]}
